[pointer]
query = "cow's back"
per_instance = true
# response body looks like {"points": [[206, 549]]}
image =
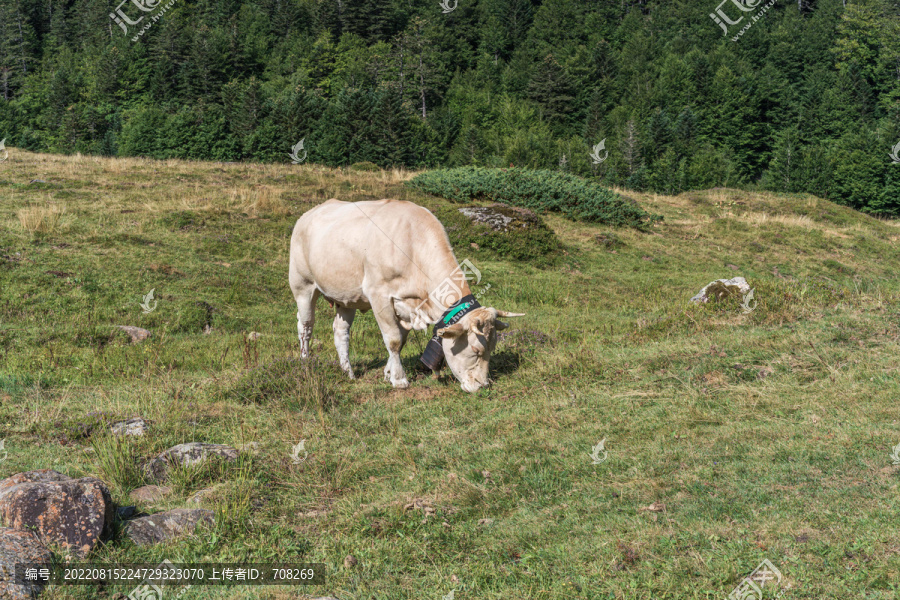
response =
{"points": [[350, 249]]}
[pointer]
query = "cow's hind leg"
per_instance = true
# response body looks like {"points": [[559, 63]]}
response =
{"points": [[306, 294], [343, 320], [394, 335]]}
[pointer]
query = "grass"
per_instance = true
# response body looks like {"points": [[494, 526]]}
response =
{"points": [[39, 220], [760, 435]]}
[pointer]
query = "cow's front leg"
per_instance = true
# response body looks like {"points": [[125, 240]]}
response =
{"points": [[404, 333], [394, 336], [343, 320]]}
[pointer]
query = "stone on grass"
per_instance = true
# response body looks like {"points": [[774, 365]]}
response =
{"points": [[137, 334], [168, 525], [187, 455], [722, 288], [150, 494], [19, 547], [74, 513], [136, 426], [501, 217]]}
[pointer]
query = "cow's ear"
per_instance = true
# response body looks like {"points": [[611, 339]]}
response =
{"points": [[453, 331], [500, 325]]}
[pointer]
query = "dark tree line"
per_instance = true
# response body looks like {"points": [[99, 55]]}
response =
{"points": [[806, 100]]}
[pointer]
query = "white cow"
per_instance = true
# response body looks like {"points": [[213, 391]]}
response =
{"points": [[392, 257]]}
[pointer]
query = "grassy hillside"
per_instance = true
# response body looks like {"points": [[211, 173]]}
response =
{"points": [[761, 435]]}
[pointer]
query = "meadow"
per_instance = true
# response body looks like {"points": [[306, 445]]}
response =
{"points": [[730, 437]]}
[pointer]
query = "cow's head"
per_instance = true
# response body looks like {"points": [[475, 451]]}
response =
{"points": [[469, 342]]}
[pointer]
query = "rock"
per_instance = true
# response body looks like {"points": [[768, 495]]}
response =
{"points": [[501, 217], [37, 181], [19, 547], [74, 513], [350, 561], [253, 336], [722, 288], [186, 455], [168, 525], [137, 334], [149, 494], [136, 426]]}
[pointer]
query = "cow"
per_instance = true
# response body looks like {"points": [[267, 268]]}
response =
{"points": [[394, 258]]}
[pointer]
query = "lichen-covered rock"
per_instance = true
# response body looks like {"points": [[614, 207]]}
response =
{"points": [[20, 547], [186, 455], [136, 426], [722, 288], [74, 513], [501, 217], [168, 525]]}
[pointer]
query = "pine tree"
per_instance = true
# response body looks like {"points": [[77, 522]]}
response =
{"points": [[551, 89], [631, 147]]}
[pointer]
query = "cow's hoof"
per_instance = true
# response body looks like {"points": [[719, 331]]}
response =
{"points": [[400, 385]]}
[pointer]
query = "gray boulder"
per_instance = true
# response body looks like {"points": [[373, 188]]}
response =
{"points": [[136, 426], [501, 217], [186, 455], [722, 288], [168, 525]]}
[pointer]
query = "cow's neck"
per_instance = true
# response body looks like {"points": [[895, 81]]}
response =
{"points": [[436, 310]]}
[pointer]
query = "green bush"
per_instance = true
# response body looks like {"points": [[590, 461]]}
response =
{"points": [[542, 191], [528, 238]]}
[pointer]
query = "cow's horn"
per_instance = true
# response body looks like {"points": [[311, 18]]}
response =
{"points": [[503, 313], [478, 326]]}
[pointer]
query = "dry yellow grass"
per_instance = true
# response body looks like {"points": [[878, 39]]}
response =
{"points": [[40, 219]]}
